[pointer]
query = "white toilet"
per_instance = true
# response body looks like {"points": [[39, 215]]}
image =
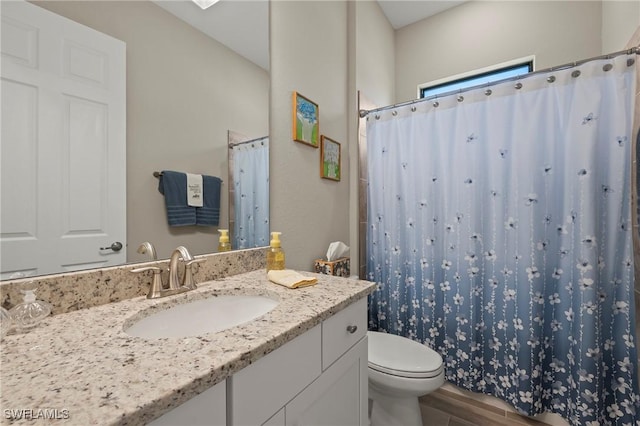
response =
{"points": [[400, 371]]}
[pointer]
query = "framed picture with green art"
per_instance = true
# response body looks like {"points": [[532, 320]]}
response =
{"points": [[306, 127], [329, 159]]}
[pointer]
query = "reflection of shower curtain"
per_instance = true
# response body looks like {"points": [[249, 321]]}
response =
{"points": [[251, 194], [499, 234]]}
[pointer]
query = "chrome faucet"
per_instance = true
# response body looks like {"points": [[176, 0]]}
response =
{"points": [[176, 286], [180, 252]]}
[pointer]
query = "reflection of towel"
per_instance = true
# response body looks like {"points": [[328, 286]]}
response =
{"points": [[290, 278], [174, 187], [209, 213]]}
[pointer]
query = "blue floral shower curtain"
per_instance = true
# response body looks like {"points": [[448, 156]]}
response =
{"points": [[251, 194], [500, 235]]}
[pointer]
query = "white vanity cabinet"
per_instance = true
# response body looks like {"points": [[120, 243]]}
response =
{"points": [[320, 377]]}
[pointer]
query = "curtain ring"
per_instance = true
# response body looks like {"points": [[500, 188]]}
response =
{"points": [[630, 62], [377, 116], [488, 92], [413, 108], [607, 67], [436, 104], [575, 74], [518, 86], [394, 113], [460, 98], [551, 79]]}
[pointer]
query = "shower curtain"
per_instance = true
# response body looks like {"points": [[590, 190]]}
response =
{"points": [[251, 194], [499, 234]]}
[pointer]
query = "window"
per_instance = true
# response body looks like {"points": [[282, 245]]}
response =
{"points": [[477, 77]]}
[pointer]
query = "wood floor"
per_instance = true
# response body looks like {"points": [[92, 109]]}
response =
{"points": [[444, 408]]}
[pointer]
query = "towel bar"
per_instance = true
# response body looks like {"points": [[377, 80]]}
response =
{"points": [[158, 174]]}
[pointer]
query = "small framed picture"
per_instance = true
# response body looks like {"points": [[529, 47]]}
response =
{"points": [[306, 126], [329, 159]]}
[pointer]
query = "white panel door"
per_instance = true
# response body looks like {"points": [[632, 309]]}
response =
{"points": [[63, 146]]}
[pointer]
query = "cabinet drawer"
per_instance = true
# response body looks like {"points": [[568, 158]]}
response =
{"points": [[342, 331], [261, 389]]}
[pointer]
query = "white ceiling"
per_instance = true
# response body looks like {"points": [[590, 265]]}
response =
{"points": [[404, 12], [243, 25]]}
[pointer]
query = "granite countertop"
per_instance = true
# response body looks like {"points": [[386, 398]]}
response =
{"points": [[83, 366]]}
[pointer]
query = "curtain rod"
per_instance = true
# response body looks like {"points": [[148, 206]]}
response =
{"points": [[231, 145], [363, 112]]}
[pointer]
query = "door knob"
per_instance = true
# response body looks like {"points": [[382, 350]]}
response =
{"points": [[117, 246]]}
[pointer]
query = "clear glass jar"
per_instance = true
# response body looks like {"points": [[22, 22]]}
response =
{"points": [[29, 313]]}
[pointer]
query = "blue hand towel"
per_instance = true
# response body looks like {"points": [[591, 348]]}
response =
{"points": [[209, 213], [174, 187]]}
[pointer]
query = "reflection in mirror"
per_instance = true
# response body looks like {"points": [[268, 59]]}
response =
{"points": [[248, 191], [183, 91]]}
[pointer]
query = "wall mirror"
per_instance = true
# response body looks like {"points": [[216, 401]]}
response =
{"points": [[184, 90]]}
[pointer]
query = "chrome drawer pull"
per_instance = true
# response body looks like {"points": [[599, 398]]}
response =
{"points": [[352, 328]]}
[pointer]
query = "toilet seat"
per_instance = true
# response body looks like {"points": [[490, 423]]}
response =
{"points": [[416, 360]]}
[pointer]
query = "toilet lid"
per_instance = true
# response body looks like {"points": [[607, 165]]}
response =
{"points": [[403, 357]]}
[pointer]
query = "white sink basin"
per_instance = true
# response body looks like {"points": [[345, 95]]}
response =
{"points": [[202, 316]]}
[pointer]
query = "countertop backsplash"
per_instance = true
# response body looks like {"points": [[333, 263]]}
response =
{"points": [[69, 292]]}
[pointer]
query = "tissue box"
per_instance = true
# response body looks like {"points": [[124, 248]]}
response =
{"points": [[339, 267]]}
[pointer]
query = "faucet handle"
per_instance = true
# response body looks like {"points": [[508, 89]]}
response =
{"points": [[155, 289], [188, 275], [191, 262]]}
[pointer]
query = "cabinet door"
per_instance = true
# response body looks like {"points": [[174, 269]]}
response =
{"points": [[208, 408], [338, 397], [260, 390]]}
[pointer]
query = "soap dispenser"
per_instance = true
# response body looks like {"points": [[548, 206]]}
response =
{"points": [[223, 243], [275, 254], [30, 312]]}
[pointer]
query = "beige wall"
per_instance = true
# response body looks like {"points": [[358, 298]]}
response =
{"points": [[184, 92], [375, 53], [478, 34], [308, 55], [620, 18]]}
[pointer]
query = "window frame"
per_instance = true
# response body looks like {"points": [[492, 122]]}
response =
{"points": [[459, 78]]}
